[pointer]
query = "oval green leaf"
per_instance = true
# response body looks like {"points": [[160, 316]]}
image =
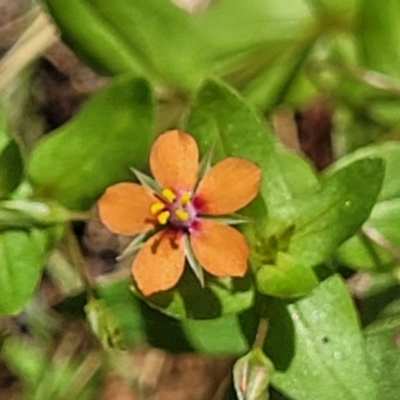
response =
{"points": [[330, 362], [378, 35], [96, 149], [21, 258], [219, 297], [130, 36], [220, 119], [336, 210], [220, 336]]}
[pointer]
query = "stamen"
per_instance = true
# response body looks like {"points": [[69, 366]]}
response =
{"points": [[168, 195], [182, 215], [163, 217], [155, 208], [185, 198]]}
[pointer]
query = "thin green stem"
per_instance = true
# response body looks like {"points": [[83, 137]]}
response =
{"points": [[261, 335], [81, 216], [78, 261]]}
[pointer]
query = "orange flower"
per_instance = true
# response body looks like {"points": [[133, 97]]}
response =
{"points": [[175, 208]]}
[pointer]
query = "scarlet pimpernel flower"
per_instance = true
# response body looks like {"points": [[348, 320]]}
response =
{"points": [[176, 215]]}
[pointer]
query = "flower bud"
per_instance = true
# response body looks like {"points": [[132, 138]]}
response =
{"points": [[251, 375]]}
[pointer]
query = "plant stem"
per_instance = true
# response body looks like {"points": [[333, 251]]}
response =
{"points": [[78, 261], [261, 333]]}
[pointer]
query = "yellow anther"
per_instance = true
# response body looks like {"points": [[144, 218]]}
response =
{"points": [[155, 208], [163, 217], [182, 215], [168, 195], [185, 198]]}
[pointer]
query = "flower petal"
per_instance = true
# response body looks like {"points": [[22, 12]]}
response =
{"points": [[220, 249], [174, 160], [228, 186], [124, 208], [159, 263]]}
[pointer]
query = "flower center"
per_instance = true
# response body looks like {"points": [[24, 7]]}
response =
{"points": [[174, 209]]}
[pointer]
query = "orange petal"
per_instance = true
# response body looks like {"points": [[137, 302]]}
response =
{"points": [[174, 160], [124, 208], [220, 249], [228, 186], [159, 263]]}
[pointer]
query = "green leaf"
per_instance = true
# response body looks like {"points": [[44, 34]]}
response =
{"points": [[163, 331], [297, 172], [384, 218], [96, 149], [47, 238], [220, 336], [378, 36], [270, 88], [92, 38], [330, 362], [134, 37], [44, 378], [378, 244], [336, 211], [390, 153], [23, 214], [124, 308], [11, 168], [26, 361], [286, 278], [337, 12], [21, 258], [219, 297], [11, 163], [380, 305], [234, 27], [359, 251], [174, 57], [220, 119], [384, 356]]}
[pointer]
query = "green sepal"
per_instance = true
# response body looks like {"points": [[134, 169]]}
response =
{"points": [[205, 163], [134, 246], [147, 181], [193, 263], [232, 219]]}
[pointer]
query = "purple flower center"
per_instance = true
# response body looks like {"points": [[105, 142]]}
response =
{"points": [[175, 209]]}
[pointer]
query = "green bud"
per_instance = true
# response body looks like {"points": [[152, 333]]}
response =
{"points": [[103, 325], [251, 375], [287, 278]]}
